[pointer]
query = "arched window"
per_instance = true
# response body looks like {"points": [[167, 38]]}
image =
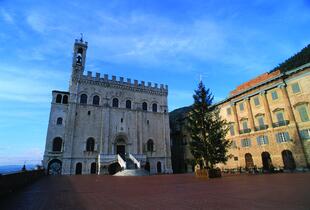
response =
{"points": [[150, 145], [115, 102], [79, 56], [154, 107], [83, 99], [59, 121], [57, 144], [58, 98], [128, 104], [90, 145], [78, 168], [65, 99], [96, 100], [93, 168], [144, 106]]}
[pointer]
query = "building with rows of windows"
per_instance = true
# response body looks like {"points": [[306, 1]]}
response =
{"points": [[269, 123], [103, 125]]}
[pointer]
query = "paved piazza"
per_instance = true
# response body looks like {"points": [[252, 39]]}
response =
{"points": [[277, 191]]}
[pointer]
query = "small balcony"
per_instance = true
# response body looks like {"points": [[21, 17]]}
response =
{"points": [[280, 123], [247, 130], [261, 127]]}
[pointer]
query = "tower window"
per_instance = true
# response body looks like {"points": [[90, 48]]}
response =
{"points": [[59, 121], [144, 106], [96, 100], [115, 102], [128, 104], [58, 98], [79, 56], [150, 145], [90, 145], [83, 99], [154, 107], [65, 99], [57, 144]]}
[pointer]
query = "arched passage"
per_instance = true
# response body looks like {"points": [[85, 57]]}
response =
{"points": [[120, 147], [147, 166], [78, 168], [159, 167], [248, 161], [93, 168], [288, 160], [54, 167], [266, 159]]}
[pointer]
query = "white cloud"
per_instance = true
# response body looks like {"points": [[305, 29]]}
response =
{"points": [[7, 17]]}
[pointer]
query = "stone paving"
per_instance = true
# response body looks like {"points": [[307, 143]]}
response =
{"points": [[184, 191]]}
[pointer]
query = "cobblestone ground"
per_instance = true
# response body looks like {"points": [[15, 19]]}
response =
{"points": [[277, 191]]}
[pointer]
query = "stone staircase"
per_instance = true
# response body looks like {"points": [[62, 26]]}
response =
{"points": [[133, 168]]}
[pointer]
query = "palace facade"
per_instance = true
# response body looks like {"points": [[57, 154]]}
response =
{"points": [[269, 123], [103, 125]]}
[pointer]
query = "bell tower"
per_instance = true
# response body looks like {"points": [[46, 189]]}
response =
{"points": [[79, 57]]}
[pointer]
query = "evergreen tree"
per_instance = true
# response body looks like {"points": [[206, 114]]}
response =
{"points": [[207, 130]]}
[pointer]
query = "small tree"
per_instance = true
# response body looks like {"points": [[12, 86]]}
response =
{"points": [[207, 130]]}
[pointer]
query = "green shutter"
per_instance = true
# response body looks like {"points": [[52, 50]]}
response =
{"points": [[287, 136], [295, 88], [258, 140], [303, 113], [278, 138], [266, 140]]}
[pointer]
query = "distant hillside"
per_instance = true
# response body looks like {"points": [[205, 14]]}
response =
{"points": [[295, 61]]}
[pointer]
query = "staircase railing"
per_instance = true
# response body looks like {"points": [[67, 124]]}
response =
{"points": [[121, 162], [131, 157]]}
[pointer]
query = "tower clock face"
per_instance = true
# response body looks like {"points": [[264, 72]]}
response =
{"points": [[55, 169]]}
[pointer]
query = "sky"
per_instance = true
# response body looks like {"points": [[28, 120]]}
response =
{"points": [[174, 42]]}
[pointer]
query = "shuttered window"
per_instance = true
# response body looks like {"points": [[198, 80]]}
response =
{"points": [[303, 113], [262, 140], [295, 88], [246, 142], [305, 134], [282, 137], [274, 95]]}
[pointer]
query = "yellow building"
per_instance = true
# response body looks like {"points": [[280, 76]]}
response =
{"points": [[269, 121]]}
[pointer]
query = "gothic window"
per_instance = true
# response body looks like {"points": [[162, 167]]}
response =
{"points": [[59, 121], [154, 107], [144, 106], [83, 99], [96, 100], [57, 144], [65, 99], [115, 102], [150, 145], [128, 104], [90, 145], [58, 98]]}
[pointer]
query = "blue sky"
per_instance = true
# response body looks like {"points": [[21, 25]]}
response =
{"points": [[162, 41]]}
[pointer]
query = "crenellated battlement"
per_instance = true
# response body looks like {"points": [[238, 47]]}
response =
{"points": [[107, 80]]}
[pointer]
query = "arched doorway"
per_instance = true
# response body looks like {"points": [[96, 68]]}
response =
{"points": [[114, 168], [121, 147], [93, 168], [54, 167], [248, 161], [159, 167], [266, 159], [78, 168], [288, 160], [147, 166]]}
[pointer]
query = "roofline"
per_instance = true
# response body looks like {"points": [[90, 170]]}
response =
{"points": [[59, 91]]}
